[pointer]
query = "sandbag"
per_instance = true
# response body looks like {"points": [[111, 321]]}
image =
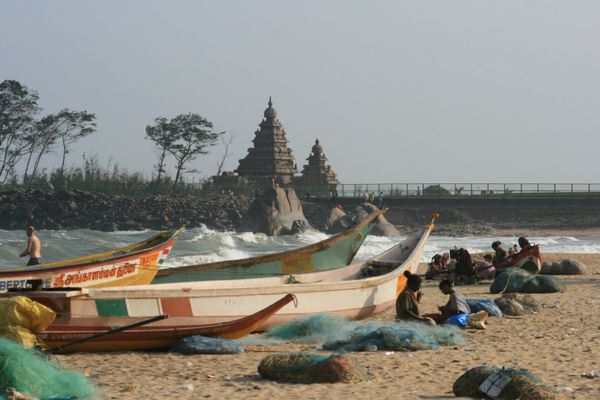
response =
{"points": [[311, 368], [510, 281], [521, 384], [206, 345], [563, 267], [544, 284], [486, 305]]}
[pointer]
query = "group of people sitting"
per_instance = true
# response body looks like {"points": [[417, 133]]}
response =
{"points": [[408, 303], [457, 264]]}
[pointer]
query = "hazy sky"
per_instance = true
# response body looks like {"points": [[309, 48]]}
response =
{"points": [[397, 91]]}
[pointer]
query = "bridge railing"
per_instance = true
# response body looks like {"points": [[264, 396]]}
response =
{"points": [[450, 189]]}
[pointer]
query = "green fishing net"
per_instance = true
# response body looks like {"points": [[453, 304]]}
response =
{"points": [[342, 335], [29, 372]]}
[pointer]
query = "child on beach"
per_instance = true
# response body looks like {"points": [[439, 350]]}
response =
{"points": [[457, 304], [407, 303]]}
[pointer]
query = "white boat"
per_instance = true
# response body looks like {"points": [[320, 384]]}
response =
{"points": [[348, 292]]}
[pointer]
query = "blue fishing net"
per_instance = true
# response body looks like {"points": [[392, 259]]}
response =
{"points": [[29, 372], [341, 335]]}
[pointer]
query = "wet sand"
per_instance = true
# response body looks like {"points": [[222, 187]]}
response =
{"points": [[558, 344]]}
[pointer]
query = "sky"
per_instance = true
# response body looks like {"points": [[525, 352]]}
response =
{"points": [[396, 91]]}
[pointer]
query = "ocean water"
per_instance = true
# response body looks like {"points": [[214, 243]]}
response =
{"points": [[202, 245]]}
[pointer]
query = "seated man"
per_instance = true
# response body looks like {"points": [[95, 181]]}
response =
{"points": [[524, 243], [435, 267], [407, 303], [485, 269], [500, 255]]}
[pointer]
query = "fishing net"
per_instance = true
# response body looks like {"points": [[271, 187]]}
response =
{"points": [[311, 368], [564, 267], [517, 304], [514, 280], [342, 335], [30, 373], [206, 345], [544, 284], [518, 384], [487, 305]]}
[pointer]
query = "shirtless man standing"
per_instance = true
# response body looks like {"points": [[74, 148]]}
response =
{"points": [[34, 248]]}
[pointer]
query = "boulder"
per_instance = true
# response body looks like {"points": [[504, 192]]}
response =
{"points": [[338, 221], [311, 368], [563, 267], [382, 227], [277, 211], [206, 345]]}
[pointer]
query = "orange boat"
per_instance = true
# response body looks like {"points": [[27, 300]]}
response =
{"points": [[529, 259], [136, 264], [158, 335]]}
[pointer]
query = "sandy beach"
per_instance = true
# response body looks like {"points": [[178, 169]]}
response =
{"points": [[559, 344]]}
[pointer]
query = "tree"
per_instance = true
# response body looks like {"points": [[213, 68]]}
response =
{"points": [[193, 135], [183, 137], [226, 142], [18, 107], [66, 128], [163, 137]]}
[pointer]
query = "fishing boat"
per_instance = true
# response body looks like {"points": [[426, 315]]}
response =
{"points": [[334, 252], [135, 264], [71, 333], [529, 259], [356, 291]]}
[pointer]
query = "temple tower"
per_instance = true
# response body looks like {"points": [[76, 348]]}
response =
{"points": [[270, 158], [317, 171]]}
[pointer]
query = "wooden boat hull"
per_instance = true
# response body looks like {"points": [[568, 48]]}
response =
{"points": [[156, 336], [340, 292], [529, 260], [131, 265], [334, 252]]}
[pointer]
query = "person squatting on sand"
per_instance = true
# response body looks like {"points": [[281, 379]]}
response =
{"points": [[457, 303], [407, 303], [34, 247]]}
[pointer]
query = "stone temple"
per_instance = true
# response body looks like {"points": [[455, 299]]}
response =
{"points": [[317, 171], [270, 159]]}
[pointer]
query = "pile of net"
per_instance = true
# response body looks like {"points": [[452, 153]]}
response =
{"points": [[311, 368], [501, 384], [30, 373], [517, 280], [517, 304], [21, 318], [206, 345], [564, 267], [342, 335]]}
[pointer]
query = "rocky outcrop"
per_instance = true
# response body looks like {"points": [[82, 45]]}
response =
{"points": [[383, 227], [277, 211], [85, 210]]}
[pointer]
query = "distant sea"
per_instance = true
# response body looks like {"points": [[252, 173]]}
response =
{"points": [[202, 245]]}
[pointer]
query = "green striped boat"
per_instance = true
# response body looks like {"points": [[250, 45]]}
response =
{"points": [[336, 251]]}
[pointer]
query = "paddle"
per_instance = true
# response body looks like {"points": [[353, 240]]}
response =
{"points": [[58, 349]]}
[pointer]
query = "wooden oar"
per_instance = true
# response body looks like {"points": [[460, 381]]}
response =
{"points": [[58, 349]]}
